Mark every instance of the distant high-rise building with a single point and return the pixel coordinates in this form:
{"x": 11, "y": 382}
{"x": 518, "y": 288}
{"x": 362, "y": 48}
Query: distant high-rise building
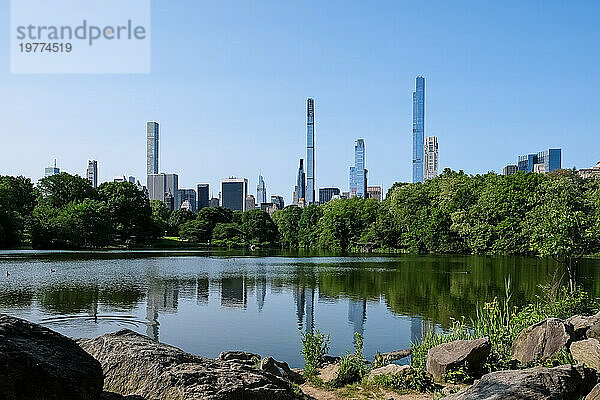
{"x": 374, "y": 192}
{"x": 278, "y": 201}
{"x": 510, "y": 169}
{"x": 310, "y": 152}
{"x": 431, "y": 157}
{"x": 551, "y": 158}
{"x": 203, "y": 196}
{"x": 49, "y": 171}
{"x": 261, "y": 190}
{"x": 590, "y": 172}
{"x": 152, "y": 133}
{"x": 418, "y": 129}
{"x": 189, "y": 195}
{"x": 300, "y": 183}
{"x": 326, "y": 194}
{"x": 131, "y": 180}
{"x": 161, "y": 185}
{"x": 358, "y": 185}
{"x": 214, "y": 202}
{"x": 92, "y": 173}
{"x": 233, "y": 193}
{"x": 250, "y": 202}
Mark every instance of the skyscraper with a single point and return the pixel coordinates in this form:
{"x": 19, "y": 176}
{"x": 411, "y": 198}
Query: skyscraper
{"x": 358, "y": 184}
{"x": 431, "y": 156}
{"x": 233, "y": 193}
{"x": 418, "y": 129}
{"x": 278, "y": 201}
{"x": 551, "y": 159}
{"x": 250, "y": 202}
{"x": 300, "y": 183}
{"x": 152, "y": 133}
{"x": 261, "y": 190}
{"x": 203, "y": 196}
{"x": 310, "y": 151}
{"x": 92, "y": 172}
{"x": 49, "y": 171}
{"x": 164, "y": 187}
{"x": 190, "y": 196}
{"x": 326, "y": 194}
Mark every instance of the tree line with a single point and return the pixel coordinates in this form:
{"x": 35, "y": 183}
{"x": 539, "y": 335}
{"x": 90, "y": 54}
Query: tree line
{"x": 556, "y": 214}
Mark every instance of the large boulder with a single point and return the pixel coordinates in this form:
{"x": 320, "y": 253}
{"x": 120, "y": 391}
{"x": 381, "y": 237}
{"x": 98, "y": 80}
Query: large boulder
{"x": 583, "y": 324}
{"x": 560, "y": 383}
{"x": 38, "y": 363}
{"x": 587, "y": 352}
{"x": 469, "y": 354}
{"x": 281, "y": 369}
{"x": 136, "y": 365}
{"x": 594, "y": 394}
{"x": 241, "y": 357}
{"x": 541, "y": 341}
{"x": 390, "y": 369}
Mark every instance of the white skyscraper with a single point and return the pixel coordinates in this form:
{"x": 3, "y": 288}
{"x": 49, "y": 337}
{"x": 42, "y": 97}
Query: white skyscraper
{"x": 430, "y": 165}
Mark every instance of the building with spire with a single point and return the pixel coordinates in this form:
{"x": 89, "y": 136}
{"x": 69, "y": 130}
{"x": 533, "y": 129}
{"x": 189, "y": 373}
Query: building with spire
{"x": 261, "y": 190}
{"x": 418, "y": 129}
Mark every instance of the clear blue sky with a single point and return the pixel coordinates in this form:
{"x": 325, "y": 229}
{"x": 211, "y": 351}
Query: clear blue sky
{"x": 230, "y": 79}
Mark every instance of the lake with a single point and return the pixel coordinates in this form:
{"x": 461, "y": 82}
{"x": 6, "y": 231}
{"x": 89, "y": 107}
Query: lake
{"x": 211, "y": 301}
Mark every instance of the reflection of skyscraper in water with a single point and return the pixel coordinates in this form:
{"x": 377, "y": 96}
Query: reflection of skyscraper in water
{"x": 234, "y": 292}
{"x": 305, "y": 305}
{"x": 419, "y": 328}
{"x": 261, "y": 291}
{"x": 202, "y": 290}
{"x": 357, "y": 315}
{"x": 163, "y": 296}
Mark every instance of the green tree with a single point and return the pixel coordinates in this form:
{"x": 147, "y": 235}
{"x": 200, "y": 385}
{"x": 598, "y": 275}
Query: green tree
{"x": 177, "y": 219}
{"x": 17, "y": 201}
{"x": 160, "y": 216}
{"x": 287, "y": 221}
{"x": 308, "y": 226}
{"x": 229, "y": 234}
{"x": 198, "y": 230}
{"x": 59, "y": 190}
{"x": 259, "y": 228}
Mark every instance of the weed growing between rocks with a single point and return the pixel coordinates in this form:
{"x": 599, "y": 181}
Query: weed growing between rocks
{"x": 314, "y": 347}
{"x": 353, "y": 367}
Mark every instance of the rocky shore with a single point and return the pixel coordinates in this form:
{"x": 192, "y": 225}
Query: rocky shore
{"x": 37, "y": 363}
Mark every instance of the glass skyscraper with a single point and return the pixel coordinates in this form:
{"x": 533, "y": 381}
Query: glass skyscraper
{"x": 261, "y": 191}
{"x": 92, "y": 173}
{"x": 233, "y": 193}
{"x": 358, "y": 186}
{"x": 300, "y": 182}
{"x": 203, "y": 201}
{"x": 152, "y": 131}
{"x": 418, "y": 129}
{"x": 310, "y": 151}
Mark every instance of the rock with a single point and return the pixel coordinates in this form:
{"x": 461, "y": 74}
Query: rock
{"x": 38, "y": 363}
{"x": 582, "y": 324}
{"x": 594, "y": 394}
{"x": 563, "y": 382}
{"x": 395, "y": 355}
{"x": 136, "y": 365}
{"x": 327, "y": 360}
{"x": 541, "y": 341}
{"x": 390, "y": 369}
{"x": 114, "y": 396}
{"x": 594, "y": 332}
{"x": 241, "y": 357}
{"x": 329, "y": 372}
{"x": 587, "y": 352}
{"x": 470, "y": 354}
{"x": 280, "y": 369}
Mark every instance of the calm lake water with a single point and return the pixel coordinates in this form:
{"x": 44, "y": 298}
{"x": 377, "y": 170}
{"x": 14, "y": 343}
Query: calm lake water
{"x": 208, "y": 302}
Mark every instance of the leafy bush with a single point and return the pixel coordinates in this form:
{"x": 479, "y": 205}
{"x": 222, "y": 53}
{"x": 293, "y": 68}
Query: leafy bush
{"x": 353, "y": 367}
{"x": 314, "y": 347}
{"x": 411, "y": 379}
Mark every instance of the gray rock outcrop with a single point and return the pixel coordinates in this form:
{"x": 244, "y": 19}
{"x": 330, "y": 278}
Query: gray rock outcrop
{"x": 560, "y": 383}
{"x": 594, "y": 394}
{"x": 281, "y": 369}
{"x": 470, "y": 354}
{"x": 38, "y": 363}
{"x": 541, "y": 341}
{"x": 136, "y": 365}
{"x": 583, "y": 324}
{"x": 242, "y": 357}
{"x": 587, "y": 352}
{"x": 390, "y": 369}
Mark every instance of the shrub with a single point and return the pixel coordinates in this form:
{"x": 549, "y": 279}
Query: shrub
{"x": 314, "y": 347}
{"x": 411, "y": 379}
{"x": 353, "y": 367}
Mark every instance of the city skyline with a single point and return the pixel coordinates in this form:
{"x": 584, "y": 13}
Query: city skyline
{"x": 513, "y": 97}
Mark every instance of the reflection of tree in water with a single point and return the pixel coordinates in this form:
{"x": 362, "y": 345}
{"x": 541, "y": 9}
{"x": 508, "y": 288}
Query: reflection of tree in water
{"x": 16, "y": 298}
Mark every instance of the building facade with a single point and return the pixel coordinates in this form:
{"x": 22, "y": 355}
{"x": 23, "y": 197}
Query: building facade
{"x": 278, "y": 201}
{"x": 92, "y": 173}
{"x": 431, "y": 158}
{"x": 152, "y": 133}
{"x": 310, "y": 152}
{"x": 50, "y": 171}
{"x": 551, "y": 159}
{"x": 203, "y": 196}
{"x": 358, "y": 185}
{"x": 590, "y": 172}
{"x": 375, "y": 192}
{"x": 164, "y": 187}
{"x": 261, "y": 190}
{"x": 250, "y": 202}
{"x": 233, "y": 193}
{"x": 326, "y": 194}
{"x": 300, "y": 183}
{"x": 418, "y": 129}
{"x": 214, "y": 202}
{"x": 189, "y": 195}
{"x": 510, "y": 169}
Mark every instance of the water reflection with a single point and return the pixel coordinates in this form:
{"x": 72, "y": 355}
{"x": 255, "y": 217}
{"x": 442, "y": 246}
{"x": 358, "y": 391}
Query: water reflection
{"x": 209, "y": 304}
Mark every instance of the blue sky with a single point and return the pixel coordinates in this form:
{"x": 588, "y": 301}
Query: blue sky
{"x": 230, "y": 79}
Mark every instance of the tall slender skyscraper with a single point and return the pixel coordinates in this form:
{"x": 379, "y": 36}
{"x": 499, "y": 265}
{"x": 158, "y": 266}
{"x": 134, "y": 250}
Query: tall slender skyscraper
{"x": 261, "y": 190}
{"x": 301, "y": 182}
{"x": 358, "y": 184}
{"x": 418, "y": 129}
{"x": 152, "y": 132}
{"x": 310, "y": 151}
{"x": 92, "y": 172}
{"x": 431, "y": 157}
